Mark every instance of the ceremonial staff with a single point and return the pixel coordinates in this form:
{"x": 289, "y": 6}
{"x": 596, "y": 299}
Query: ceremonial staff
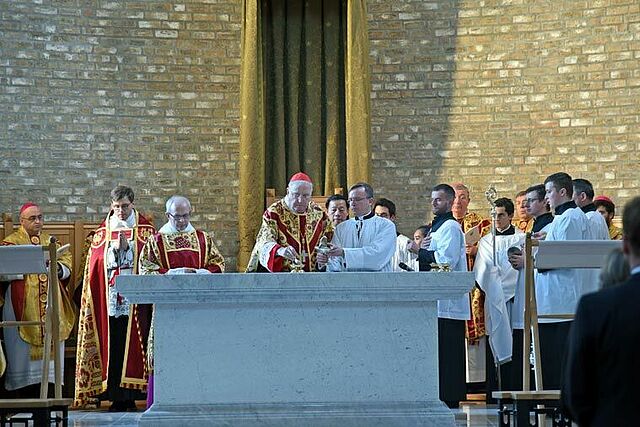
{"x": 491, "y": 194}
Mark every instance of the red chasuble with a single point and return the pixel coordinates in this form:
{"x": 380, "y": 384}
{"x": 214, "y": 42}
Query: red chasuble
{"x": 475, "y": 328}
{"x": 92, "y": 359}
{"x": 281, "y": 227}
{"x": 194, "y": 249}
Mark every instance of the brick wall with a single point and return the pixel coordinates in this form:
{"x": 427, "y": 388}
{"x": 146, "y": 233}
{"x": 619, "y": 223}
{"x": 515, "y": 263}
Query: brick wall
{"x": 93, "y": 94}
{"x": 504, "y": 93}
{"x": 144, "y": 93}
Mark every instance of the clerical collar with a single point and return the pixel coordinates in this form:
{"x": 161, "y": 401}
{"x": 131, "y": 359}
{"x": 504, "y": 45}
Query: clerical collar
{"x": 542, "y": 221}
{"x": 510, "y": 231}
{"x": 438, "y": 220}
{"x": 370, "y": 215}
{"x": 560, "y": 209}
{"x": 589, "y": 208}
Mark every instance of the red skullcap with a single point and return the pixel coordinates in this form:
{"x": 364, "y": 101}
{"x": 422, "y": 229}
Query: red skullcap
{"x": 603, "y": 199}
{"x": 27, "y": 206}
{"x": 301, "y": 176}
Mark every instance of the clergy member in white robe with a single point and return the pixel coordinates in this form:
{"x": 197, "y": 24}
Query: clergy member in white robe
{"x": 538, "y": 209}
{"x": 597, "y": 228}
{"x": 403, "y": 259}
{"x": 583, "y": 195}
{"x": 445, "y": 245}
{"x": 558, "y": 290}
{"x": 365, "y": 242}
{"x": 498, "y": 281}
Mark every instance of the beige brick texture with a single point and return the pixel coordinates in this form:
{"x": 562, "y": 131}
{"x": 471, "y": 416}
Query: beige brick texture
{"x": 146, "y": 93}
{"x": 504, "y": 93}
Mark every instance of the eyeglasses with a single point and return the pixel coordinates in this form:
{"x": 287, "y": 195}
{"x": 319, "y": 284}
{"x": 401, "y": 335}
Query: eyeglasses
{"x": 33, "y": 218}
{"x": 121, "y": 207}
{"x": 357, "y": 199}
{"x": 184, "y": 217}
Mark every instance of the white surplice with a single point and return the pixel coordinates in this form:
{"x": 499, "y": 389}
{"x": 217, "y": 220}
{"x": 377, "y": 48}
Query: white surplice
{"x": 448, "y": 245}
{"x": 403, "y": 255}
{"x": 369, "y": 245}
{"x": 499, "y": 284}
{"x": 558, "y": 290}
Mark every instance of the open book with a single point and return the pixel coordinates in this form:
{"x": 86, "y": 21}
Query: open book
{"x": 472, "y": 236}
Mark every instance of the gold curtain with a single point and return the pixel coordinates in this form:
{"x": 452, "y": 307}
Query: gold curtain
{"x": 252, "y": 135}
{"x": 303, "y": 51}
{"x": 304, "y": 101}
{"x": 358, "y": 94}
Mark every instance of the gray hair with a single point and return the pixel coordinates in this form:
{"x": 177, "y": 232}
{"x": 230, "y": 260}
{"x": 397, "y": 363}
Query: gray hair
{"x": 175, "y": 200}
{"x": 294, "y": 185}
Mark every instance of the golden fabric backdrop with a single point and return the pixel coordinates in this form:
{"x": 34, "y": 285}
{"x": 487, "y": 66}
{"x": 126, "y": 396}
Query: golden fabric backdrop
{"x": 304, "y": 101}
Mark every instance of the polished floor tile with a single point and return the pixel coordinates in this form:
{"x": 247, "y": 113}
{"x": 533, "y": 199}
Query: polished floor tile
{"x": 468, "y": 415}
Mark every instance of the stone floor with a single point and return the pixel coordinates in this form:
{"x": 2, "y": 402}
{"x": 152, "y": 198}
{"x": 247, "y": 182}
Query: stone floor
{"x": 468, "y": 415}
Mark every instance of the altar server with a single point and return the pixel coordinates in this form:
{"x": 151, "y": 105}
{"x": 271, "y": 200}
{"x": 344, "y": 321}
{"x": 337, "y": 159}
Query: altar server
{"x": 558, "y": 290}
{"x": 498, "y": 279}
{"x": 445, "y": 245}
{"x": 583, "y": 196}
{"x": 403, "y": 259}
{"x": 365, "y": 242}
{"x": 538, "y": 208}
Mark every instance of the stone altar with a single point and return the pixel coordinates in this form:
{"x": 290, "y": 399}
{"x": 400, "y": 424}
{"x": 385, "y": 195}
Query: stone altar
{"x": 289, "y": 349}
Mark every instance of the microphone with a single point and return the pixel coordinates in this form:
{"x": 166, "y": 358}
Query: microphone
{"x": 405, "y": 267}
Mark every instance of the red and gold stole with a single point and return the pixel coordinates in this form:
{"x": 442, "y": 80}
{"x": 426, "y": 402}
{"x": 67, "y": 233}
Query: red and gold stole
{"x": 92, "y": 359}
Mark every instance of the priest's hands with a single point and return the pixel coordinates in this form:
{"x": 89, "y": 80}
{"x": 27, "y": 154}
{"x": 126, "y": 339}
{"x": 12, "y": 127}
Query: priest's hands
{"x": 121, "y": 244}
{"x": 287, "y": 252}
{"x": 413, "y": 247}
{"x": 426, "y": 242}
{"x": 335, "y": 250}
{"x": 322, "y": 260}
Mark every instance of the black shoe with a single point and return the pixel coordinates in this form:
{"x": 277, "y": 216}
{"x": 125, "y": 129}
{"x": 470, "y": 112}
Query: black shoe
{"x": 118, "y": 406}
{"x": 130, "y": 405}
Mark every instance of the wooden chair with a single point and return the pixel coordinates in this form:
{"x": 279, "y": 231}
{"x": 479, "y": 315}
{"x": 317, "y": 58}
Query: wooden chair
{"x": 32, "y": 259}
{"x": 270, "y": 197}
{"x": 549, "y": 255}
